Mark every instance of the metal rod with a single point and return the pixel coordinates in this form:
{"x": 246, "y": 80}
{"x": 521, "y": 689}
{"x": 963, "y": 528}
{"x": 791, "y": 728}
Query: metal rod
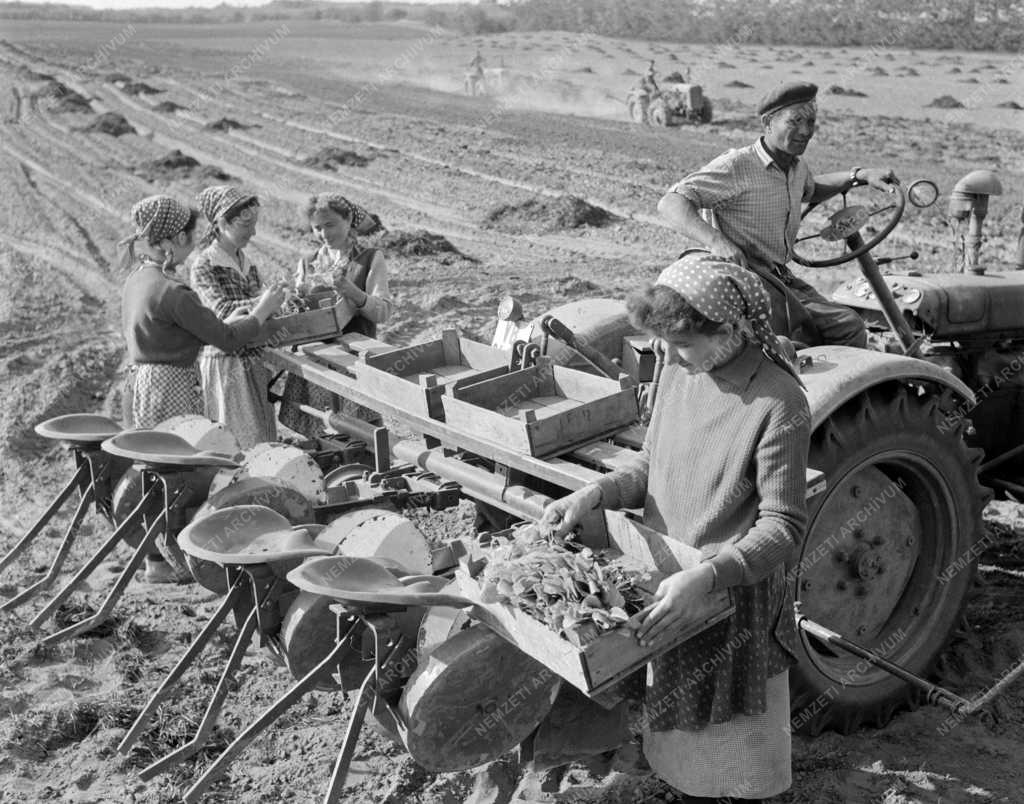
{"x": 891, "y": 311}
{"x": 58, "y": 560}
{"x": 45, "y": 517}
{"x": 272, "y": 713}
{"x": 477, "y": 482}
{"x": 1001, "y": 458}
{"x": 146, "y": 546}
{"x": 1016, "y": 488}
{"x": 96, "y": 559}
{"x": 367, "y": 690}
{"x": 183, "y": 663}
{"x": 935, "y": 694}
{"x": 213, "y": 708}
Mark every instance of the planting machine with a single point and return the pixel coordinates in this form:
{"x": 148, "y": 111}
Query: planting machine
{"x": 318, "y": 556}
{"x": 674, "y": 103}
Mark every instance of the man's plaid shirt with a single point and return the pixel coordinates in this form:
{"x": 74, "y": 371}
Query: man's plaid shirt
{"x": 224, "y": 285}
{"x": 752, "y": 201}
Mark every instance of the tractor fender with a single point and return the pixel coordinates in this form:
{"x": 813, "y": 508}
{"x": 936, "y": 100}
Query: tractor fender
{"x": 837, "y": 374}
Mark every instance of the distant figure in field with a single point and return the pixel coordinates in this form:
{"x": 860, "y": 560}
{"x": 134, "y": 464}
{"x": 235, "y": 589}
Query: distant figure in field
{"x": 647, "y": 80}
{"x": 475, "y": 76}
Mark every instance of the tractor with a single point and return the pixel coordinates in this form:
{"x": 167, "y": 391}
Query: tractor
{"x": 674, "y": 103}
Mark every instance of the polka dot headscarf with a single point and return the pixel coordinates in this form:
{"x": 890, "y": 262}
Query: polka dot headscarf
{"x": 728, "y": 293}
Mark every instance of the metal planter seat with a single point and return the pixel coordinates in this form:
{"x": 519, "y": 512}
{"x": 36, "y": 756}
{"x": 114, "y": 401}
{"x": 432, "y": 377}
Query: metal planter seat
{"x": 168, "y": 465}
{"x": 255, "y": 547}
{"x": 95, "y": 474}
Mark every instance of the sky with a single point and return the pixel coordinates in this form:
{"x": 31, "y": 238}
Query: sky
{"x": 123, "y": 4}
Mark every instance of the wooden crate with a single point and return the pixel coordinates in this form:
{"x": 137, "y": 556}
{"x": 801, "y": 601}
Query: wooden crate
{"x": 415, "y": 377}
{"x": 606, "y": 659}
{"x": 542, "y": 410}
{"x": 305, "y": 327}
{"x": 638, "y": 357}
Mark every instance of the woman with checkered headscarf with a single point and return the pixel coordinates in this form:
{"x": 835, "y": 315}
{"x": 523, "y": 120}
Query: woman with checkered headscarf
{"x": 343, "y": 272}
{"x": 723, "y": 470}
{"x": 234, "y": 383}
{"x": 165, "y": 324}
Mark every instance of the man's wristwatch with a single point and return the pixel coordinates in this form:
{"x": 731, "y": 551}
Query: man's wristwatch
{"x": 854, "y": 181}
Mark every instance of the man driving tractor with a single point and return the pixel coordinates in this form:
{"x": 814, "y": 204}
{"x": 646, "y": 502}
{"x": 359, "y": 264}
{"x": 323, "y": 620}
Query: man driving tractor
{"x": 751, "y": 198}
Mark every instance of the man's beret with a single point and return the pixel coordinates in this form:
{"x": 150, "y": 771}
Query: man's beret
{"x": 787, "y": 95}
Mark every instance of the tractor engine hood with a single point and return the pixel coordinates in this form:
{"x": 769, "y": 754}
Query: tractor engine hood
{"x": 949, "y": 305}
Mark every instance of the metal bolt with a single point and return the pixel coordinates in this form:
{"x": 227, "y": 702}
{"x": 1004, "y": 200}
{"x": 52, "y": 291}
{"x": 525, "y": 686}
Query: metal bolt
{"x": 917, "y": 610}
{"x": 805, "y": 585}
{"x": 858, "y": 533}
{"x": 911, "y": 541}
{"x": 842, "y": 556}
{"x": 861, "y": 630}
{"x": 861, "y": 591}
{"x": 856, "y": 491}
{"x": 841, "y": 586}
{"x": 878, "y": 541}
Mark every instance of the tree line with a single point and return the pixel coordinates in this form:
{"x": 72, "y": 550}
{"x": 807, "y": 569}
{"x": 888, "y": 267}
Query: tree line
{"x": 939, "y": 24}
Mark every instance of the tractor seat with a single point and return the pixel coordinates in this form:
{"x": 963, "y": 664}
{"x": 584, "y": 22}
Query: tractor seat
{"x": 79, "y": 428}
{"x": 369, "y": 582}
{"x": 247, "y": 534}
{"x": 159, "y": 449}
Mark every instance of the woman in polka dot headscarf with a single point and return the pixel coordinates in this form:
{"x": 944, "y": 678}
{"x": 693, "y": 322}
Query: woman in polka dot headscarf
{"x": 165, "y": 324}
{"x": 723, "y": 469}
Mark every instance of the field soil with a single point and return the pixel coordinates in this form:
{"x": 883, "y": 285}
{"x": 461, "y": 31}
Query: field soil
{"x": 547, "y": 192}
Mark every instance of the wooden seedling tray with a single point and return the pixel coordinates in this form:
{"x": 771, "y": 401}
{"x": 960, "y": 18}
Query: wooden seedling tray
{"x": 542, "y": 410}
{"x": 305, "y": 327}
{"x": 601, "y": 662}
{"x": 415, "y": 377}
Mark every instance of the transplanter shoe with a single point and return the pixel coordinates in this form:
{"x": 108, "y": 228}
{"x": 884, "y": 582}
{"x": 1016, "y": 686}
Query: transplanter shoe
{"x": 160, "y": 571}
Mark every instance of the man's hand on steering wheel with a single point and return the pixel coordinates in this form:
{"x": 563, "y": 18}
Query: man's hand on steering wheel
{"x": 880, "y": 178}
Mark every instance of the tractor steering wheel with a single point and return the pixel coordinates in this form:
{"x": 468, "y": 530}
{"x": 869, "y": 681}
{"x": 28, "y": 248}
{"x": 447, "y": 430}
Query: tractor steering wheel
{"x": 849, "y": 221}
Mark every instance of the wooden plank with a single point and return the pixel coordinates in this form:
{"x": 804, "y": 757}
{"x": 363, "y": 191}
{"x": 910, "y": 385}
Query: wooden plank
{"x": 565, "y": 475}
{"x": 408, "y": 360}
{"x": 451, "y": 347}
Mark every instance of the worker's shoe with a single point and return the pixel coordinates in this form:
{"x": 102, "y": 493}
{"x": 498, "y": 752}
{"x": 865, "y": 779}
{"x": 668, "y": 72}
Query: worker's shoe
{"x": 159, "y": 571}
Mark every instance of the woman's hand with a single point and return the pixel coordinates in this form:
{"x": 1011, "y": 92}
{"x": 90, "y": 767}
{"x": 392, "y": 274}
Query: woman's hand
{"x": 348, "y": 289}
{"x": 678, "y": 594}
{"x": 563, "y": 515}
{"x": 270, "y": 302}
{"x": 237, "y": 315}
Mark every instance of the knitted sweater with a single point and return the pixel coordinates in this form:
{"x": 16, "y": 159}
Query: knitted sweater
{"x": 164, "y": 321}
{"x": 723, "y": 469}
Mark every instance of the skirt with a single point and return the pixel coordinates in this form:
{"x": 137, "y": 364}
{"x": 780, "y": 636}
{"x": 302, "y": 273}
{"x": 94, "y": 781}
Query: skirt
{"x": 749, "y": 756}
{"x": 235, "y": 394}
{"x": 155, "y": 392}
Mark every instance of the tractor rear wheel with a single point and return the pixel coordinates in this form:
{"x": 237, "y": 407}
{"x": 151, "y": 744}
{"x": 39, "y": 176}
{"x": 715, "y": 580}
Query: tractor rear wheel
{"x": 886, "y": 562}
{"x": 659, "y": 115}
{"x": 636, "y": 111}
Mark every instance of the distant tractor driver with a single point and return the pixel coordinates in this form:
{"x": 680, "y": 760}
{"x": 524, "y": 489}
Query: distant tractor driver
{"x": 752, "y": 196}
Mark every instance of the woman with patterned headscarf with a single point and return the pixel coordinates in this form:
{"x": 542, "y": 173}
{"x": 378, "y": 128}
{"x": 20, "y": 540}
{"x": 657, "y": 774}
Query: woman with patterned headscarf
{"x": 234, "y": 383}
{"x": 339, "y": 271}
{"x": 722, "y": 469}
{"x": 165, "y": 323}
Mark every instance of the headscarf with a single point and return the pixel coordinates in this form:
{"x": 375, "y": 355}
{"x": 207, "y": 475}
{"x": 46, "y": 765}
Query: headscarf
{"x": 221, "y": 198}
{"x": 363, "y": 222}
{"x": 156, "y": 218}
{"x": 723, "y": 291}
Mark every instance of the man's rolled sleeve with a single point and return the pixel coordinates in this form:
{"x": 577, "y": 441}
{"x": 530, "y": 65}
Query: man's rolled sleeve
{"x": 711, "y": 187}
